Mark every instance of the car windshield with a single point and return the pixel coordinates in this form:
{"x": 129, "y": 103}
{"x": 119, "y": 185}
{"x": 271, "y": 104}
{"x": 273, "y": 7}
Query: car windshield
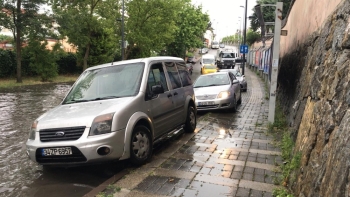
{"x": 215, "y": 43}
{"x": 212, "y": 80}
{"x": 208, "y": 61}
{"x": 107, "y": 83}
{"x": 227, "y": 55}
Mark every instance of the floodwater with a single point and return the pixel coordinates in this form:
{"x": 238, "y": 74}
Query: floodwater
{"x": 19, "y": 176}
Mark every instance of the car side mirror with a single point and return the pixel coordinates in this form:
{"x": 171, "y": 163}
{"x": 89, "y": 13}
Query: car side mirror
{"x": 235, "y": 81}
{"x": 157, "y": 89}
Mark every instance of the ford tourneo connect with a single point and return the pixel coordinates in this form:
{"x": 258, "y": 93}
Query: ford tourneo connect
{"x": 116, "y": 111}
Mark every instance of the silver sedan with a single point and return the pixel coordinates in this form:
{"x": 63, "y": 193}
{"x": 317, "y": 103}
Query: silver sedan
{"x": 217, "y": 91}
{"x": 239, "y": 76}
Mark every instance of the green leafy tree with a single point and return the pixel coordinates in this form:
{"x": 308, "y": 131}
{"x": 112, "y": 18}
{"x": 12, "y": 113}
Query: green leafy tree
{"x": 191, "y": 24}
{"x": 42, "y": 61}
{"x": 23, "y": 19}
{"x": 252, "y": 36}
{"x": 268, "y": 12}
{"x": 150, "y": 25}
{"x": 88, "y": 24}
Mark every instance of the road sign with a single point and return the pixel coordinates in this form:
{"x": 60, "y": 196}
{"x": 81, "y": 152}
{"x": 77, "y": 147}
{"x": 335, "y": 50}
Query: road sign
{"x": 243, "y": 49}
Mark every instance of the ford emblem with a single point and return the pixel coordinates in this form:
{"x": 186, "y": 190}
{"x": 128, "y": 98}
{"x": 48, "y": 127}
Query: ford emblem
{"x": 59, "y": 134}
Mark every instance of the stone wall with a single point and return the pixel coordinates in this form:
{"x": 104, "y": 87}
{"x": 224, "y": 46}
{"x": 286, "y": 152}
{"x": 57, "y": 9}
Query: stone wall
{"x": 314, "y": 90}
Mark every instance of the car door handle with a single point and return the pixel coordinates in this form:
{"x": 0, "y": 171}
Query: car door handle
{"x": 169, "y": 95}
{"x": 175, "y": 93}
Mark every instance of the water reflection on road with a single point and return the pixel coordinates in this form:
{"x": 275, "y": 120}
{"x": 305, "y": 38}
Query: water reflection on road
{"x": 19, "y": 176}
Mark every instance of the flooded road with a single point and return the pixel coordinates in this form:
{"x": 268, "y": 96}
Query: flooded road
{"x": 19, "y": 176}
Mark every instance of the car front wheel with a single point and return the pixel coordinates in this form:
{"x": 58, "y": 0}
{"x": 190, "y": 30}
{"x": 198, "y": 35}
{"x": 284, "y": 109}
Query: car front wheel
{"x": 191, "y": 120}
{"x": 141, "y": 145}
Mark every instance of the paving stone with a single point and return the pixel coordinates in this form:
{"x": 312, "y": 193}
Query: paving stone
{"x": 247, "y": 176}
{"x": 242, "y": 192}
{"x": 256, "y": 193}
{"x": 248, "y": 170}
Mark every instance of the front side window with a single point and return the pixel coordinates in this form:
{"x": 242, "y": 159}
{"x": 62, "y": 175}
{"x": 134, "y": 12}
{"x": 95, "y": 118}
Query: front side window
{"x": 173, "y": 75}
{"x": 107, "y": 83}
{"x": 156, "y": 76}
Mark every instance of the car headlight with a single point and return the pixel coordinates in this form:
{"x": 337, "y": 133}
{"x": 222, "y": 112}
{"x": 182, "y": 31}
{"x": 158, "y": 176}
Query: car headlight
{"x": 224, "y": 94}
{"x": 102, "y": 124}
{"x": 33, "y": 130}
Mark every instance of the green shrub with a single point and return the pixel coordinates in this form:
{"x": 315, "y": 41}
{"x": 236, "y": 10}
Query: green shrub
{"x": 67, "y": 64}
{"x": 42, "y": 61}
{"x": 7, "y": 63}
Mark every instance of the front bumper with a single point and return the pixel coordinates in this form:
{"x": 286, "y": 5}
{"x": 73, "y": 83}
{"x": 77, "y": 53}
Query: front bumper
{"x": 214, "y": 104}
{"x": 84, "y": 150}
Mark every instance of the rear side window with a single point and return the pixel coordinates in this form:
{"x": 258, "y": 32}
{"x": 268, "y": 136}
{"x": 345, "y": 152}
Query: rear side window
{"x": 173, "y": 75}
{"x": 184, "y": 75}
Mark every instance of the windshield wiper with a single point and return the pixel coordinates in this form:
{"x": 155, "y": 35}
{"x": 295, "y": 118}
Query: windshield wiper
{"x": 76, "y": 101}
{"x": 104, "y": 98}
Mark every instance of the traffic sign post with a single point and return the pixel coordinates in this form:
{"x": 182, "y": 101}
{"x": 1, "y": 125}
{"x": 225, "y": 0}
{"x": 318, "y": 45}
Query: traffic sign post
{"x": 243, "y": 49}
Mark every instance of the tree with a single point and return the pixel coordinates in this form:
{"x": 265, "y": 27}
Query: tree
{"x": 23, "y": 19}
{"x": 150, "y": 25}
{"x": 252, "y": 36}
{"x": 191, "y": 25}
{"x": 268, "y": 12}
{"x": 83, "y": 21}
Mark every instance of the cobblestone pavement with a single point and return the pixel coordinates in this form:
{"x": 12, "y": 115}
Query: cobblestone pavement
{"x": 230, "y": 154}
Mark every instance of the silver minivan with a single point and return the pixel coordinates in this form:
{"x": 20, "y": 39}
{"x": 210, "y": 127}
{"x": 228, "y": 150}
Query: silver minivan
{"x": 116, "y": 111}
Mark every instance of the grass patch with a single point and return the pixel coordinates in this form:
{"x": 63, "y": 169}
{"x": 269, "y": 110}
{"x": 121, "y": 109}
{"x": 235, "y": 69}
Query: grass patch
{"x": 291, "y": 161}
{"x": 12, "y": 82}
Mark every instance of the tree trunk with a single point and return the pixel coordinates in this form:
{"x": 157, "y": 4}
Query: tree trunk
{"x": 18, "y": 43}
{"x": 87, "y": 51}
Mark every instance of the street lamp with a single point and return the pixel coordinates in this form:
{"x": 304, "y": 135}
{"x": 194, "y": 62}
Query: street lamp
{"x": 240, "y": 28}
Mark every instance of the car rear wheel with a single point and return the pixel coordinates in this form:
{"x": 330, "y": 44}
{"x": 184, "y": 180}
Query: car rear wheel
{"x": 141, "y": 145}
{"x": 191, "y": 120}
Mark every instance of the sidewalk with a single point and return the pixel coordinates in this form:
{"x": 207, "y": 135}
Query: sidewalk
{"x": 230, "y": 154}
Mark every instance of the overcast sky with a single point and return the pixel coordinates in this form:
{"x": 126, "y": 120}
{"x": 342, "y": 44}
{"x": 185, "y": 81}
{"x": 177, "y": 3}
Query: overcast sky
{"x": 224, "y": 14}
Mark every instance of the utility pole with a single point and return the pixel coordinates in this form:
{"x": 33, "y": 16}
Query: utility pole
{"x": 275, "y": 59}
{"x": 244, "y": 34}
{"x": 123, "y": 42}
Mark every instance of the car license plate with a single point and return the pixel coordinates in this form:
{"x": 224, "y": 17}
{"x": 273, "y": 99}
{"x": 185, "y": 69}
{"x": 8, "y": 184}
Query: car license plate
{"x": 56, "y": 151}
{"x": 206, "y": 103}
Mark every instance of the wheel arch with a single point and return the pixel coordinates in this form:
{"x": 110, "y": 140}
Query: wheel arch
{"x": 138, "y": 118}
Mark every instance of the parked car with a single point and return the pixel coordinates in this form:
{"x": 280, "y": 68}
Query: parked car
{"x": 221, "y": 45}
{"x": 116, "y": 111}
{"x": 191, "y": 59}
{"x": 189, "y": 68}
{"x": 241, "y": 78}
{"x": 208, "y": 64}
{"x": 215, "y": 91}
{"x": 203, "y": 50}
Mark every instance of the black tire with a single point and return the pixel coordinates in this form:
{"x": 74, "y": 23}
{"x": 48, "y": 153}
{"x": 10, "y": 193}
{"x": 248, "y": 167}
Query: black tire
{"x": 234, "y": 108}
{"x": 141, "y": 145}
{"x": 240, "y": 99}
{"x": 191, "y": 120}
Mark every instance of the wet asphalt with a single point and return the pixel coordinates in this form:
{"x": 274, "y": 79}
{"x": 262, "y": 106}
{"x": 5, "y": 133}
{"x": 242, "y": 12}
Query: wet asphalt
{"x": 229, "y": 154}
